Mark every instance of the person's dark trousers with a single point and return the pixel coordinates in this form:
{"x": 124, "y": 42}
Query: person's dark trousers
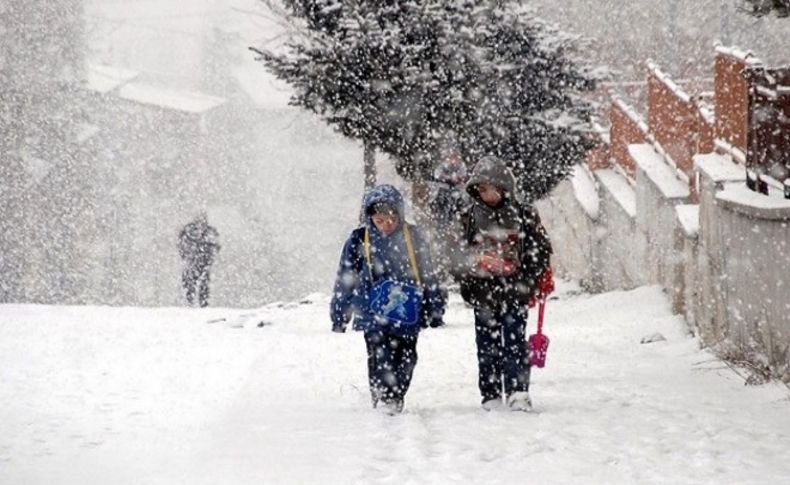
{"x": 195, "y": 280}
{"x": 202, "y": 283}
{"x": 501, "y": 351}
{"x": 189, "y": 281}
{"x": 391, "y": 361}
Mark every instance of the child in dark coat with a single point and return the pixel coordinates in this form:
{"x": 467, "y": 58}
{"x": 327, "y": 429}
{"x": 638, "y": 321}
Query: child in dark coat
{"x": 386, "y": 280}
{"x": 506, "y": 265}
{"x": 447, "y": 199}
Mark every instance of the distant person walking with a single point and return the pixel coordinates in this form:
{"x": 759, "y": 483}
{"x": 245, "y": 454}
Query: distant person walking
{"x": 198, "y": 242}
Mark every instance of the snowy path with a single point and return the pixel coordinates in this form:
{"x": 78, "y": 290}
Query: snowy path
{"x": 101, "y": 395}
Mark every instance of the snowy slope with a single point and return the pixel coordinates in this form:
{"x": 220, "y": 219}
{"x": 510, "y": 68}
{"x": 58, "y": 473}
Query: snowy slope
{"x": 160, "y": 396}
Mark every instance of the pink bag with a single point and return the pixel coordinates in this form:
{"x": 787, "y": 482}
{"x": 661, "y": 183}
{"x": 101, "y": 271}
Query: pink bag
{"x": 539, "y": 343}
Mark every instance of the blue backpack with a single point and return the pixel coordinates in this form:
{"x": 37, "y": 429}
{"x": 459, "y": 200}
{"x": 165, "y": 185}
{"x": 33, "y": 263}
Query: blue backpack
{"x": 392, "y": 302}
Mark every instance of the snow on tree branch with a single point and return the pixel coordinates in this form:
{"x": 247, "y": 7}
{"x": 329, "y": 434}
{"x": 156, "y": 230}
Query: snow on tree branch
{"x": 403, "y": 76}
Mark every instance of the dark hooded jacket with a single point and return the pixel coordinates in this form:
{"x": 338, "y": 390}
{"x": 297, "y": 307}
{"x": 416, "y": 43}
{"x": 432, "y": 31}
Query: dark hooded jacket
{"x": 390, "y": 260}
{"x": 198, "y": 243}
{"x": 516, "y": 231}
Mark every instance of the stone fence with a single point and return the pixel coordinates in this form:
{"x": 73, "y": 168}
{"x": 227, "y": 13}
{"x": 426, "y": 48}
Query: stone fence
{"x": 664, "y": 201}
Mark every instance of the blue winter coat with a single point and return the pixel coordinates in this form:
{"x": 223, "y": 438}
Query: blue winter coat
{"x": 390, "y": 259}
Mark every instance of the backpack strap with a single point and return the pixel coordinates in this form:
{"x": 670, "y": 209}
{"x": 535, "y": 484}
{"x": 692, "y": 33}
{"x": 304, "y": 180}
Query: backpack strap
{"x": 409, "y": 248}
{"x": 367, "y": 253}
{"x": 412, "y": 256}
{"x": 466, "y": 220}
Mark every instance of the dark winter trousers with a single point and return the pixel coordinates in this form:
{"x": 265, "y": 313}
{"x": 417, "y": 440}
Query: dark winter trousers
{"x": 391, "y": 361}
{"x": 501, "y": 351}
{"x": 195, "y": 279}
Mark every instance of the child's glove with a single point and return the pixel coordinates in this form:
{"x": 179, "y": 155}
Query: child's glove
{"x": 495, "y": 265}
{"x": 431, "y": 319}
{"x": 545, "y": 287}
{"x": 436, "y": 323}
{"x": 338, "y": 328}
{"x": 546, "y": 283}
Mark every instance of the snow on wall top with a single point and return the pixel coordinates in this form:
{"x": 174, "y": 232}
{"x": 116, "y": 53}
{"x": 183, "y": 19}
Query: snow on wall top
{"x": 622, "y": 192}
{"x": 631, "y": 113}
{"x": 602, "y": 132}
{"x": 585, "y": 191}
{"x": 669, "y": 83}
{"x": 739, "y": 198}
{"x": 103, "y": 79}
{"x": 707, "y": 113}
{"x": 745, "y": 56}
{"x": 679, "y": 173}
{"x": 731, "y": 150}
{"x": 185, "y": 101}
{"x": 662, "y": 175}
{"x": 688, "y": 216}
{"x": 719, "y": 168}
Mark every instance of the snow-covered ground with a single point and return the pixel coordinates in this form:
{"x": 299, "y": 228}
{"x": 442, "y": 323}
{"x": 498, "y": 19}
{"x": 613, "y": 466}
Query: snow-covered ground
{"x": 94, "y": 395}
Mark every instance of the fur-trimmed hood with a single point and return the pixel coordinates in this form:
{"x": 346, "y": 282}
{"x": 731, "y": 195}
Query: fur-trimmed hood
{"x": 492, "y": 170}
{"x": 382, "y": 194}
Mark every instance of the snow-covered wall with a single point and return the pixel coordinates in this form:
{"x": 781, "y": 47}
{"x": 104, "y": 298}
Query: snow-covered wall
{"x": 618, "y": 214}
{"x": 658, "y": 191}
{"x": 723, "y": 262}
{"x": 573, "y": 233}
{"x": 753, "y": 245}
{"x": 711, "y": 313}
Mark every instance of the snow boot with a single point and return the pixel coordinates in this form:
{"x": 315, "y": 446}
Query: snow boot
{"x": 390, "y": 408}
{"x": 494, "y": 404}
{"x": 520, "y": 401}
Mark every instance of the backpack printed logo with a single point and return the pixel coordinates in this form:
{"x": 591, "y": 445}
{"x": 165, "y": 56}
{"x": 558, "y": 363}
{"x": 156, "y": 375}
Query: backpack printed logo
{"x": 396, "y": 303}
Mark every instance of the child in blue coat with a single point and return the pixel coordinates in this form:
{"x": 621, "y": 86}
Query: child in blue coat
{"x": 386, "y": 281}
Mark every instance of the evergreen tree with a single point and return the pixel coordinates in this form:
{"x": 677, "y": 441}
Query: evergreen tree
{"x": 763, "y": 7}
{"x": 401, "y": 75}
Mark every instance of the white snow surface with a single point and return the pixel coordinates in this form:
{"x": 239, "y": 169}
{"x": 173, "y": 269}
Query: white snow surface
{"x": 668, "y": 82}
{"x": 741, "y": 195}
{"x": 585, "y": 190}
{"x": 160, "y": 396}
{"x": 621, "y": 190}
{"x": 719, "y": 168}
{"x": 103, "y": 79}
{"x": 745, "y": 56}
{"x": 688, "y": 216}
{"x": 186, "y": 101}
{"x": 657, "y": 170}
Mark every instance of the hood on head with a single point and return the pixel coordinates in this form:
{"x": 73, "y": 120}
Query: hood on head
{"x": 382, "y": 194}
{"x": 451, "y": 170}
{"x": 492, "y": 170}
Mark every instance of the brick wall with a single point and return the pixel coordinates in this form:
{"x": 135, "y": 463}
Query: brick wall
{"x": 678, "y": 124}
{"x": 731, "y": 97}
{"x": 768, "y": 141}
{"x": 625, "y": 128}
{"x": 600, "y": 155}
{"x": 722, "y": 257}
{"x": 671, "y": 117}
